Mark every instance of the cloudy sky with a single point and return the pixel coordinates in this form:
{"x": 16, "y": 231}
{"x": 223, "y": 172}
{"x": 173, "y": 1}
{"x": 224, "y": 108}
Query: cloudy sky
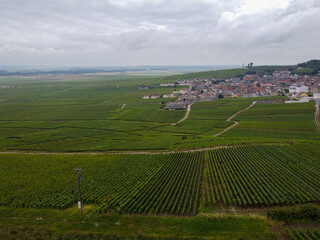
{"x": 158, "y": 32}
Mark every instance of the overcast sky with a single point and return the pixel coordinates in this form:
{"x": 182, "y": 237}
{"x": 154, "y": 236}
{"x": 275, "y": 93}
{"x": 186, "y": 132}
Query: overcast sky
{"x": 158, "y": 32}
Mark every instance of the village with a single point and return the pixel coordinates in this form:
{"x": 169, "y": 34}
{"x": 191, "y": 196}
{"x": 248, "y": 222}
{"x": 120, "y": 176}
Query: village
{"x": 297, "y": 88}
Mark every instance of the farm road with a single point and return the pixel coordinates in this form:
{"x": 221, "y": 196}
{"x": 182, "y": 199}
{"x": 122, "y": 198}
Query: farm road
{"x": 235, "y": 122}
{"x": 186, "y": 116}
{"x": 126, "y": 152}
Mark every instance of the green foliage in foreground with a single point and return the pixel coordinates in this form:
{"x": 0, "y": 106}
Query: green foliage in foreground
{"x": 303, "y": 234}
{"x": 308, "y": 212}
{"x": 261, "y": 175}
{"x": 71, "y": 222}
{"x": 166, "y": 184}
{"x": 175, "y": 189}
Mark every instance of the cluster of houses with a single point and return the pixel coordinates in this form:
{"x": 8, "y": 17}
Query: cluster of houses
{"x": 174, "y": 93}
{"x": 297, "y": 88}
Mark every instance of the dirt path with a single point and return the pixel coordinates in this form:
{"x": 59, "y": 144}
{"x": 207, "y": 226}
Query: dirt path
{"x": 235, "y": 122}
{"x": 120, "y": 152}
{"x": 109, "y": 100}
{"x": 316, "y": 114}
{"x": 126, "y": 152}
{"x": 123, "y": 106}
{"x": 186, "y": 116}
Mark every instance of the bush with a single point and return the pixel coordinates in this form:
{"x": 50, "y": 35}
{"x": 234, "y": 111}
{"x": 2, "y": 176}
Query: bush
{"x": 294, "y": 214}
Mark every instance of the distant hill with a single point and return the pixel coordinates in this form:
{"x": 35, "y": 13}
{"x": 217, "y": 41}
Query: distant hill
{"x": 311, "y": 67}
{"x": 230, "y": 73}
{"x": 307, "y": 68}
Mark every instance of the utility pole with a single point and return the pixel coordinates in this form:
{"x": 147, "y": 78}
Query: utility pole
{"x": 79, "y": 192}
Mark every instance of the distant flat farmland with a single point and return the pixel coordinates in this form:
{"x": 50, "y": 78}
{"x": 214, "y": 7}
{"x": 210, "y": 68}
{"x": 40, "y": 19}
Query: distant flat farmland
{"x": 106, "y": 113}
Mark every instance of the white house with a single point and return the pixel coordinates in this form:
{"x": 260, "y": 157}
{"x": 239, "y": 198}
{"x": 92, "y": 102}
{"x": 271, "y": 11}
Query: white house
{"x": 298, "y": 88}
{"x": 316, "y": 95}
{"x": 168, "y": 95}
{"x": 145, "y": 97}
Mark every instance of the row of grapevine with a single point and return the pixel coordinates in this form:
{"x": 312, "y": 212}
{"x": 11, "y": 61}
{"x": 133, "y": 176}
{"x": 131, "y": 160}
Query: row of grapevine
{"x": 307, "y": 234}
{"x": 173, "y": 183}
{"x": 50, "y": 181}
{"x": 128, "y": 174}
{"x": 174, "y": 190}
{"x": 128, "y": 186}
{"x": 259, "y": 176}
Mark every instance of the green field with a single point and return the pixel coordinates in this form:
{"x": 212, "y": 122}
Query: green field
{"x": 84, "y": 114}
{"x": 70, "y": 225}
{"x": 146, "y": 178}
{"x": 172, "y": 183}
{"x": 202, "y": 183}
{"x": 105, "y": 113}
{"x": 282, "y": 121}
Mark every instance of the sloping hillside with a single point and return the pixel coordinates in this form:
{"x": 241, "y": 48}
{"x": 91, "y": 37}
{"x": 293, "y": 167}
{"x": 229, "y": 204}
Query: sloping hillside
{"x": 229, "y": 73}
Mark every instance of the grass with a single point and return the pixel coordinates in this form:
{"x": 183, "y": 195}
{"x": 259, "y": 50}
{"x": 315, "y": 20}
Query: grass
{"x": 71, "y": 221}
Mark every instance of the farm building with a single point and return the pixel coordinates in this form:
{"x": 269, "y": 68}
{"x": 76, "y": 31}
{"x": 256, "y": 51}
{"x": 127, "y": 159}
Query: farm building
{"x": 144, "y": 87}
{"x": 154, "y": 96}
{"x": 145, "y": 97}
{"x": 177, "y": 105}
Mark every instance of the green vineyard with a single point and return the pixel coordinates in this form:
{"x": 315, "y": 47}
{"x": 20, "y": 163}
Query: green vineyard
{"x": 261, "y": 176}
{"x": 307, "y": 234}
{"x": 168, "y": 183}
{"x": 175, "y": 189}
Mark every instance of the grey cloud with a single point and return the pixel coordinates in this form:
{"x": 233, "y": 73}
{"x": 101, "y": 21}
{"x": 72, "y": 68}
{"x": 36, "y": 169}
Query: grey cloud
{"x": 132, "y": 32}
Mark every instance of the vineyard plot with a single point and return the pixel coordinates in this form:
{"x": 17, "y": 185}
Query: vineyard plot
{"x": 260, "y": 176}
{"x": 169, "y": 183}
{"x": 49, "y": 181}
{"x": 138, "y": 183}
{"x": 174, "y": 190}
